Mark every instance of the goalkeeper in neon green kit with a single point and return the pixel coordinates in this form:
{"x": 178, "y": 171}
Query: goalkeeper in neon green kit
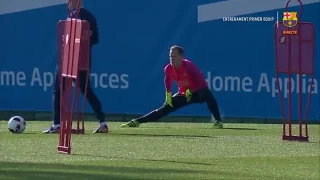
{"x": 192, "y": 86}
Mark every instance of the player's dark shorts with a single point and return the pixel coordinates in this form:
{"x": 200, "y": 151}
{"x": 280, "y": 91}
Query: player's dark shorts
{"x": 200, "y": 96}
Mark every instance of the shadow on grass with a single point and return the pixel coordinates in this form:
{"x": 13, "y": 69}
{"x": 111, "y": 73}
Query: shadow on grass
{"x": 245, "y": 129}
{"x": 150, "y": 160}
{"x": 166, "y": 135}
{"x": 30, "y": 133}
{"x": 209, "y": 127}
{"x": 14, "y": 170}
{"x": 180, "y": 162}
{"x": 24, "y": 133}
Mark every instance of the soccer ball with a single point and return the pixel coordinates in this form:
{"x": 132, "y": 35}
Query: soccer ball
{"x": 17, "y": 124}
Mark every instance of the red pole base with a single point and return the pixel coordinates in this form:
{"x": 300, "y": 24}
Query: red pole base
{"x": 295, "y": 138}
{"x": 64, "y": 150}
{"x": 77, "y": 131}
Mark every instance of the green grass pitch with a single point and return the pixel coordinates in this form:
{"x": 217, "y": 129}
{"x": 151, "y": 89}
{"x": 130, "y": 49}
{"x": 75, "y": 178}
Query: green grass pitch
{"x": 161, "y": 151}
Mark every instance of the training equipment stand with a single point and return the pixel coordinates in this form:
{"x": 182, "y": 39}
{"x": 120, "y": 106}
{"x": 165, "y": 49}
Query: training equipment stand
{"x": 74, "y": 51}
{"x": 294, "y": 46}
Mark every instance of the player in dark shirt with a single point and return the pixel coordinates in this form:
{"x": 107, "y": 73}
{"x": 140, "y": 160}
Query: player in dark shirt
{"x": 192, "y": 88}
{"x": 93, "y": 100}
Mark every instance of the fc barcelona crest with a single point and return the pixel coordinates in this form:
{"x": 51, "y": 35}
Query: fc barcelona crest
{"x": 290, "y": 19}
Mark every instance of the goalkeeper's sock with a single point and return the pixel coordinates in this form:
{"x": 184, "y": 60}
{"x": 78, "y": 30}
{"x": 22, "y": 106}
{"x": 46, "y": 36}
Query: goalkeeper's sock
{"x": 55, "y": 126}
{"x": 104, "y": 123}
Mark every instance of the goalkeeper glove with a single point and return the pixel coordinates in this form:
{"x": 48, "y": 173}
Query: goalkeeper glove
{"x": 188, "y": 95}
{"x": 169, "y": 99}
